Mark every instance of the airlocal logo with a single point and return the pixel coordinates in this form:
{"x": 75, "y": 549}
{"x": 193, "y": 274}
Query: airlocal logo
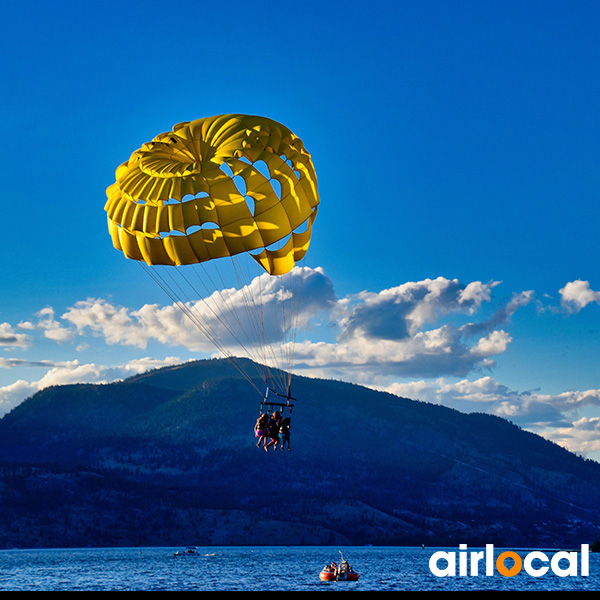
{"x": 509, "y": 563}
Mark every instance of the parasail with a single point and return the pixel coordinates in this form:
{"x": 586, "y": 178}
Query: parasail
{"x": 233, "y": 188}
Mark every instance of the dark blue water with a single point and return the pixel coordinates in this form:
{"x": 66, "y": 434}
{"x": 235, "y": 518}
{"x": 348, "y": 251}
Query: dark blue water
{"x": 254, "y": 569}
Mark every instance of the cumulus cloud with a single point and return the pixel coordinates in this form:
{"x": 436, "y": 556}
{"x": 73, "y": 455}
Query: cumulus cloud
{"x": 422, "y": 332}
{"x": 230, "y": 318}
{"x": 53, "y": 330}
{"x": 577, "y": 295}
{"x": 581, "y": 437}
{"x": 486, "y": 394}
{"x": 13, "y": 394}
{"x": 401, "y": 311}
{"x": 426, "y": 328}
{"x": 10, "y": 338}
{"x": 68, "y": 372}
{"x": 501, "y": 316}
{"x": 558, "y": 417}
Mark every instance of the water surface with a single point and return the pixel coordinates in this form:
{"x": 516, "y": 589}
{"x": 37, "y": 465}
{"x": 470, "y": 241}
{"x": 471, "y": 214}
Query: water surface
{"x": 254, "y": 569}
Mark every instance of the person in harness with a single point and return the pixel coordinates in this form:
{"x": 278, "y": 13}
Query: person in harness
{"x": 273, "y": 428}
{"x": 260, "y": 429}
{"x": 284, "y": 433}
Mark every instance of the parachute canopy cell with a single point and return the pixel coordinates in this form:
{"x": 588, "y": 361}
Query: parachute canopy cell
{"x": 216, "y": 187}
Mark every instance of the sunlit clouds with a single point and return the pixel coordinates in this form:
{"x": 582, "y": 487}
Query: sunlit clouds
{"x": 435, "y": 340}
{"x": 556, "y": 417}
{"x": 69, "y": 372}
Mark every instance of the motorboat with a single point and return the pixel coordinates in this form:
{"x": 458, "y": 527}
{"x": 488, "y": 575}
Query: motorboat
{"x": 341, "y": 572}
{"x": 190, "y": 550}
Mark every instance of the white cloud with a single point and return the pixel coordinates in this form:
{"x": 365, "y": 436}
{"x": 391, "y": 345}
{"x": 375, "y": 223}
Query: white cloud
{"x": 9, "y": 338}
{"x": 493, "y": 344}
{"x": 404, "y": 310}
{"x": 13, "y": 394}
{"x": 418, "y": 329}
{"x": 10, "y": 363}
{"x": 578, "y": 294}
{"x": 114, "y": 323}
{"x": 53, "y": 330}
{"x": 582, "y": 437}
{"x": 556, "y": 417}
{"x": 420, "y": 332}
{"x": 70, "y": 372}
{"x": 230, "y": 318}
{"x": 488, "y": 395}
{"x": 424, "y": 328}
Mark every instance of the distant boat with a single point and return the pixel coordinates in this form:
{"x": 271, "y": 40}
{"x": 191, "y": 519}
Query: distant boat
{"x": 190, "y": 550}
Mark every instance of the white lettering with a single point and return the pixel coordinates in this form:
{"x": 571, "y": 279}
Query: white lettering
{"x": 572, "y": 568}
{"x": 475, "y": 558}
{"x": 489, "y": 560}
{"x": 529, "y": 567}
{"x": 449, "y": 557}
{"x": 462, "y": 561}
{"x": 585, "y": 560}
{"x": 535, "y": 563}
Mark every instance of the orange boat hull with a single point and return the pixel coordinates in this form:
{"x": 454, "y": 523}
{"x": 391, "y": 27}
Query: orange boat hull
{"x": 325, "y": 576}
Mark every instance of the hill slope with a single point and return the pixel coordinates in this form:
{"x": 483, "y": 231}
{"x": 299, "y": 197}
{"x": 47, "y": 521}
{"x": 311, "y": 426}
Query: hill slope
{"x": 169, "y": 457}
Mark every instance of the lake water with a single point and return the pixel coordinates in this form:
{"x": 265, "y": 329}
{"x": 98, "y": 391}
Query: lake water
{"x": 256, "y": 569}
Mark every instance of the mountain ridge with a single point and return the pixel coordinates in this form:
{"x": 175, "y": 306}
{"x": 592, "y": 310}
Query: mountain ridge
{"x": 169, "y": 456}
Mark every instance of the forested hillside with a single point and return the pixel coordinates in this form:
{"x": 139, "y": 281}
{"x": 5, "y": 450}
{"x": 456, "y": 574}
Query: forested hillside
{"x": 169, "y": 457}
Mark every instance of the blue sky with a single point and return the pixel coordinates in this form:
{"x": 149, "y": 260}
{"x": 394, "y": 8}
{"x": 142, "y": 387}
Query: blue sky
{"x": 456, "y": 147}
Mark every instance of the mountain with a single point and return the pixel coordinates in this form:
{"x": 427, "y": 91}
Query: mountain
{"x": 169, "y": 458}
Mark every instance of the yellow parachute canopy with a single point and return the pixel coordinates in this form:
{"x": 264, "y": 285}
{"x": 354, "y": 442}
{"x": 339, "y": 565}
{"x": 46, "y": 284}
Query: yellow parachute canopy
{"x": 198, "y": 193}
